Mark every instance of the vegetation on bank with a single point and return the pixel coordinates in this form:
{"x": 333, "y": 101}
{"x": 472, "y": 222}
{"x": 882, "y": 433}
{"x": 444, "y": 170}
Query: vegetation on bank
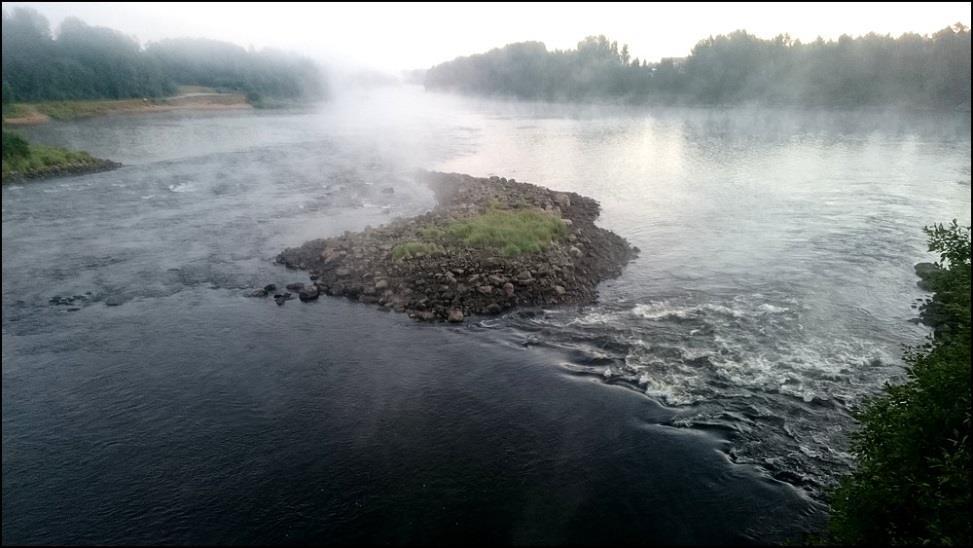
{"x": 911, "y": 484}
{"x": 27, "y": 160}
{"x": 84, "y": 62}
{"x": 71, "y": 110}
{"x": 910, "y": 71}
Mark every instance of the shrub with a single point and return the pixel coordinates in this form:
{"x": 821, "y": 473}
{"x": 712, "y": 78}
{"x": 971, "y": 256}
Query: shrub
{"x": 911, "y": 484}
{"x": 14, "y": 146}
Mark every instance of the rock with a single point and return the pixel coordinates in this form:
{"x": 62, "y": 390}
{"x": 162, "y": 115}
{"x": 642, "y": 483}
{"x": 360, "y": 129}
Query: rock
{"x": 388, "y": 190}
{"x": 114, "y": 300}
{"x": 455, "y": 315}
{"x": 466, "y": 279}
{"x": 270, "y": 287}
{"x": 308, "y": 293}
{"x": 926, "y": 272}
{"x": 296, "y": 286}
{"x": 280, "y": 299}
{"x": 257, "y": 293}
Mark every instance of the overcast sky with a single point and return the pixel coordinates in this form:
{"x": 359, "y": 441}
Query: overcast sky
{"x": 393, "y": 37}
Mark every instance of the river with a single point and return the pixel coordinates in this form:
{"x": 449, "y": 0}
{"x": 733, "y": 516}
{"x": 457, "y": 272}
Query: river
{"x": 705, "y": 398}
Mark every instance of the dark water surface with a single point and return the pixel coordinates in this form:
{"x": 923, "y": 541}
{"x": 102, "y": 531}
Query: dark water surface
{"x": 704, "y": 399}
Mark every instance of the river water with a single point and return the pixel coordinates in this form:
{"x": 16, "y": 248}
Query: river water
{"x": 704, "y": 399}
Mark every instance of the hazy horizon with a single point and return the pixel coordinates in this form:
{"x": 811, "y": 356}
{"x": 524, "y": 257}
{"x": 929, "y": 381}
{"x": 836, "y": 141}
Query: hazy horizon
{"x": 425, "y": 34}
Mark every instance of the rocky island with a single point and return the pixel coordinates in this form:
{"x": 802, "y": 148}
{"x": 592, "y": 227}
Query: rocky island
{"x": 488, "y": 246}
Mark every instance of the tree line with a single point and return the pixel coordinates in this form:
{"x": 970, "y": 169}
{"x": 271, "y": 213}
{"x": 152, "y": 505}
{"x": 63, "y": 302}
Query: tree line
{"x": 80, "y": 61}
{"x": 912, "y": 70}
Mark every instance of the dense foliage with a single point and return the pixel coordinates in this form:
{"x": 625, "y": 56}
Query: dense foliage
{"x": 21, "y": 158}
{"x": 912, "y": 480}
{"x": 911, "y": 70}
{"x": 85, "y": 62}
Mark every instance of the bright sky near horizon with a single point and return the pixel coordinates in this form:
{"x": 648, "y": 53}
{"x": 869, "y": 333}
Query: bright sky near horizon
{"x": 394, "y": 37}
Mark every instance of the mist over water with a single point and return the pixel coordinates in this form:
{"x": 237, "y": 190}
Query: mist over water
{"x": 704, "y": 398}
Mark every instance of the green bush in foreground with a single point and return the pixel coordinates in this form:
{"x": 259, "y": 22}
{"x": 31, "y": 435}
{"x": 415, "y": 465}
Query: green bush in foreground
{"x": 911, "y": 484}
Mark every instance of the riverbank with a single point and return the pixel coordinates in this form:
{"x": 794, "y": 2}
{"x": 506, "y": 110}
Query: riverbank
{"x": 23, "y": 160}
{"x": 488, "y": 246}
{"x": 22, "y": 114}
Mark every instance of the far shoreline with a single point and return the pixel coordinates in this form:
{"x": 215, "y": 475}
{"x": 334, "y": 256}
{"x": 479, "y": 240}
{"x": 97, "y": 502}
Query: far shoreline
{"x": 32, "y": 114}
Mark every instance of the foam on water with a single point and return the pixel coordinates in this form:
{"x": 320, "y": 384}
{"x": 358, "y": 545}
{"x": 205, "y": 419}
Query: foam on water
{"x": 744, "y": 363}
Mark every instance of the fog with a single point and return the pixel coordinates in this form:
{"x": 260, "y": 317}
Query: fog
{"x": 396, "y": 37}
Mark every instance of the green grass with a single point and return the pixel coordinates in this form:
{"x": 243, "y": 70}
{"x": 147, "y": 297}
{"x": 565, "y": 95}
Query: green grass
{"x": 509, "y": 232}
{"x": 413, "y": 248}
{"x": 16, "y": 110}
{"x": 20, "y": 157}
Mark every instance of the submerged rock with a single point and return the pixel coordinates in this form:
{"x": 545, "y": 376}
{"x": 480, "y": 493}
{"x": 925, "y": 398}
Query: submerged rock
{"x": 455, "y": 315}
{"x": 926, "y": 272}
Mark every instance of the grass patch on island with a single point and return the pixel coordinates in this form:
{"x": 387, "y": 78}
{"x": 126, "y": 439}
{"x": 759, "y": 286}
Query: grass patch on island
{"x": 507, "y": 232}
{"x": 416, "y": 249}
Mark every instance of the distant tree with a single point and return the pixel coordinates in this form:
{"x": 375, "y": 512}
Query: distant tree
{"x": 872, "y": 70}
{"x": 85, "y": 62}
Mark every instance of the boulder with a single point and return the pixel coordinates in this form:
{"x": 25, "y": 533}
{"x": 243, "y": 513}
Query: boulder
{"x": 308, "y": 293}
